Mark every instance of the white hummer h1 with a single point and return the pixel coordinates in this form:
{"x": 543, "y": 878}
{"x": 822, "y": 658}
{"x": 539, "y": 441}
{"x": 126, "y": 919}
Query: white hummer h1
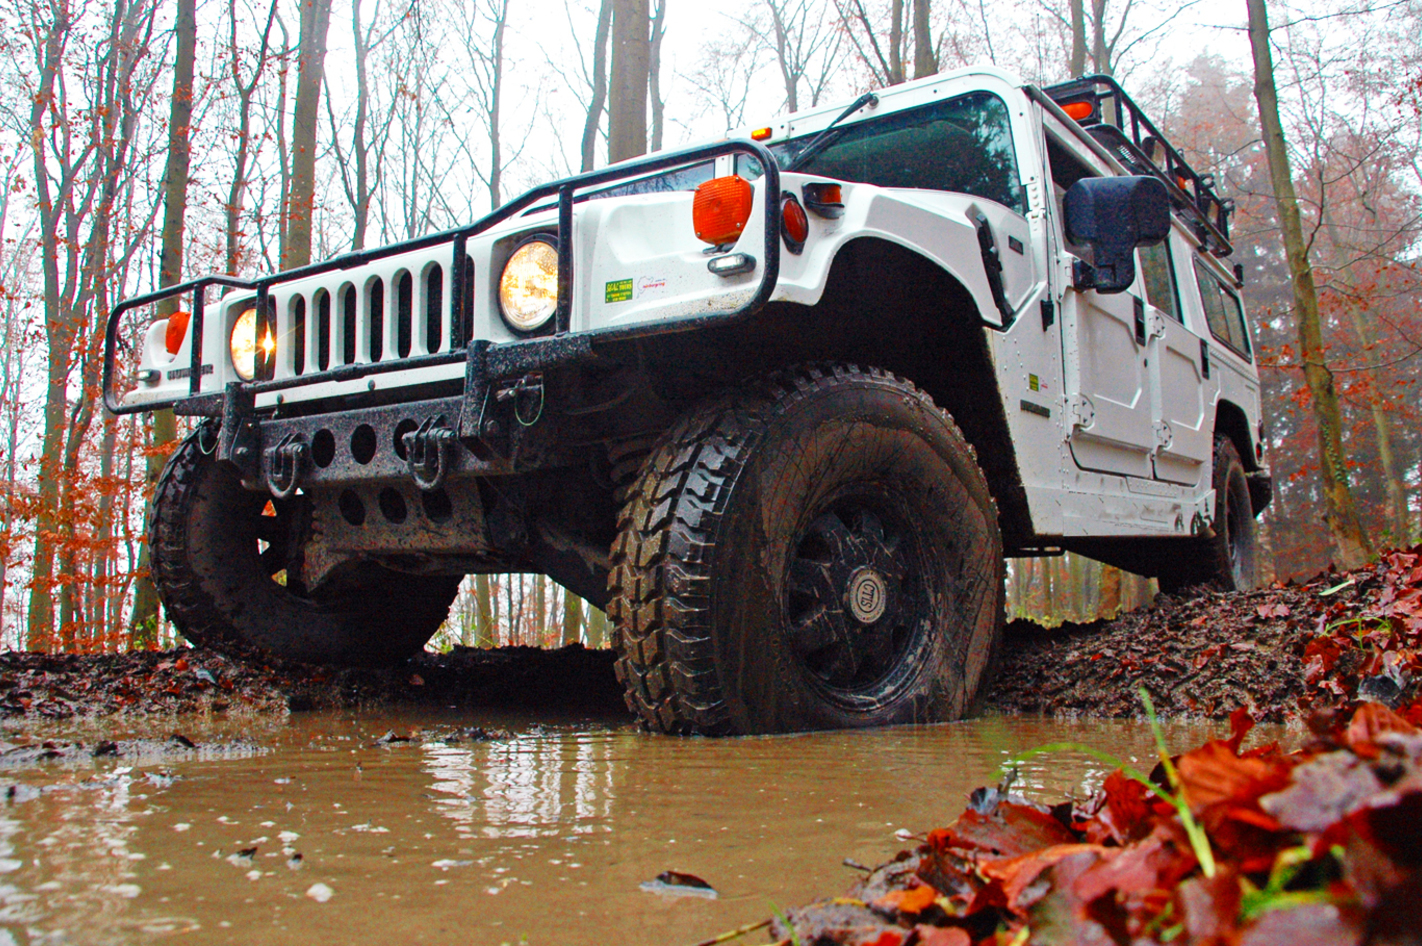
{"x": 781, "y": 404}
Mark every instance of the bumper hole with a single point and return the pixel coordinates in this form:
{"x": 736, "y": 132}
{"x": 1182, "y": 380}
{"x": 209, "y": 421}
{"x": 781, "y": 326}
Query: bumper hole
{"x": 392, "y": 505}
{"x": 352, "y": 509}
{"x": 401, "y": 429}
{"x": 436, "y": 505}
{"x": 323, "y": 448}
{"x": 363, "y": 444}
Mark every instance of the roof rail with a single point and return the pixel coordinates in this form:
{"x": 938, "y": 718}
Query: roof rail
{"x": 1110, "y": 116}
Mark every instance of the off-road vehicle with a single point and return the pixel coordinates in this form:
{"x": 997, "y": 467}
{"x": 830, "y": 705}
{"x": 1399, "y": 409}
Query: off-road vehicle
{"x": 780, "y": 404}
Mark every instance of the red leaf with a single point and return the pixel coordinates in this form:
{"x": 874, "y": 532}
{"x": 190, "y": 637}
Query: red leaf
{"x": 1372, "y": 720}
{"x": 915, "y": 899}
{"x": 1013, "y": 829}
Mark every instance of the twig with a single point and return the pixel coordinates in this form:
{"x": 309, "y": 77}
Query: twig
{"x": 734, "y": 934}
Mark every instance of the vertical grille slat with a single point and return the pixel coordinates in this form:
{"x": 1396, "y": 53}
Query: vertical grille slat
{"x": 404, "y": 313}
{"x": 298, "y": 335}
{"x": 375, "y": 316}
{"x": 323, "y": 330}
{"x": 434, "y": 308}
{"x": 349, "y": 324}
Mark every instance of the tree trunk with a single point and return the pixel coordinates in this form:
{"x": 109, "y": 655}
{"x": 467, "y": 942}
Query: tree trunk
{"x": 236, "y": 193}
{"x": 143, "y": 628}
{"x": 1100, "y": 58}
{"x": 896, "y": 42}
{"x": 631, "y": 52}
{"x": 572, "y": 618}
{"x": 1350, "y": 541}
{"x": 301, "y": 194}
{"x": 597, "y": 627}
{"x": 925, "y": 57}
{"x": 654, "y": 70}
{"x": 1077, "y": 65}
{"x": 484, "y": 613}
{"x": 599, "y": 86}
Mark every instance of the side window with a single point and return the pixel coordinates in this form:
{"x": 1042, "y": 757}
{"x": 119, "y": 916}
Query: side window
{"x": 1158, "y": 274}
{"x": 1222, "y": 311}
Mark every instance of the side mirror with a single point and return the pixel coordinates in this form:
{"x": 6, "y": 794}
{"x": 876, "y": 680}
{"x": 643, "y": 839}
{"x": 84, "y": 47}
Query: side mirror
{"x": 1115, "y": 215}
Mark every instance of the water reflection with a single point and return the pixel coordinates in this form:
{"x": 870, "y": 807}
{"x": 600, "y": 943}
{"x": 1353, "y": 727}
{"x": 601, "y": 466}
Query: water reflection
{"x": 544, "y": 836}
{"x": 528, "y": 787}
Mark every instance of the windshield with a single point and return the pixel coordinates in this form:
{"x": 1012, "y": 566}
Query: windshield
{"x": 963, "y": 145}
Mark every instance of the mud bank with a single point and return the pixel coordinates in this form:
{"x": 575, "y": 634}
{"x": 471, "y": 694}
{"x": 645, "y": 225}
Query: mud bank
{"x": 1282, "y": 653}
{"x": 66, "y": 686}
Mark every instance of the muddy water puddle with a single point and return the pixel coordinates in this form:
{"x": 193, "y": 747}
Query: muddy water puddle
{"x": 478, "y": 828}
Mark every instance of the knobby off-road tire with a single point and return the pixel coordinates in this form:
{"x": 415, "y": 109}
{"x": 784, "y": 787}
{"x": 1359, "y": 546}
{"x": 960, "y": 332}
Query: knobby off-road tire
{"x": 1229, "y": 560}
{"x": 818, "y": 550}
{"x": 220, "y": 587}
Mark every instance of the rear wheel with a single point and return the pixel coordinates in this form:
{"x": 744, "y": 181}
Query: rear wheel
{"x": 818, "y": 551}
{"x": 1228, "y": 560}
{"x": 226, "y": 560}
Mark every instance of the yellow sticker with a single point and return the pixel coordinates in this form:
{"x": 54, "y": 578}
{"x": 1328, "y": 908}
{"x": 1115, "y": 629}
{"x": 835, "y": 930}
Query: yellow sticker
{"x": 619, "y": 290}
{"x": 1033, "y": 383}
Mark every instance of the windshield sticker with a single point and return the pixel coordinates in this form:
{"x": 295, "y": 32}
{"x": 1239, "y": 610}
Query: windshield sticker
{"x": 619, "y": 290}
{"x": 650, "y": 283}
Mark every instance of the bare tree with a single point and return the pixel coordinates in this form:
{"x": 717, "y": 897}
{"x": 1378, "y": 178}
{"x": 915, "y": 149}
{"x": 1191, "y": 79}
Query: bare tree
{"x": 805, "y": 37}
{"x": 301, "y": 195}
{"x": 144, "y": 626}
{"x": 1350, "y": 541}
{"x": 245, "y": 89}
{"x": 631, "y": 54}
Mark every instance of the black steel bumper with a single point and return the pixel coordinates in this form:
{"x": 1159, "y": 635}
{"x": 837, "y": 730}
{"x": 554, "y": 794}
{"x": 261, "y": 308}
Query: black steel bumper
{"x": 486, "y": 363}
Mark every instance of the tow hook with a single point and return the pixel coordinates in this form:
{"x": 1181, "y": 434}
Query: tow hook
{"x": 286, "y": 464}
{"x": 427, "y": 452}
{"x": 527, "y": 396}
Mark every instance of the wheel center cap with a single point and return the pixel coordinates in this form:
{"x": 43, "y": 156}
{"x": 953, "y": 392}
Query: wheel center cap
{"x": 868, "y": 595}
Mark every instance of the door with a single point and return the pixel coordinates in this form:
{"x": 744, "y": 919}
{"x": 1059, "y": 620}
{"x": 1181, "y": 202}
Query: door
{"x": 1181, "y": 391}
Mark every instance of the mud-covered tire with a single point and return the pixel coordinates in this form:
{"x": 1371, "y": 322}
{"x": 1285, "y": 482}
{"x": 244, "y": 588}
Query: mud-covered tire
{"x": 1229, "y": 560}
{"x": 218, "y": 585}
{"x": 755, "y": 517}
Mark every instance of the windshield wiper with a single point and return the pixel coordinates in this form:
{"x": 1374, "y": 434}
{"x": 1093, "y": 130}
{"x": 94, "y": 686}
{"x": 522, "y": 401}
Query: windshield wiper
{"x": 825, "y": 137}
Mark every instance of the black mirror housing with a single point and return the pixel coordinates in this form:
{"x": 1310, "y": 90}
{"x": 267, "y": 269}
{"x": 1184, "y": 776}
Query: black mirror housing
{"x": 1115, "y": 215}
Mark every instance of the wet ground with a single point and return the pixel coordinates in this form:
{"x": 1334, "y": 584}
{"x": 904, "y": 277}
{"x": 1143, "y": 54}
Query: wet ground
{"x": 476, "y": 827}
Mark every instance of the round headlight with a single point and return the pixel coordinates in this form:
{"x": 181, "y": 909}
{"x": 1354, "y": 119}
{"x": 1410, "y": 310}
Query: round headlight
{"x": 528, "y": 288}
{"x": 243, "y": 345}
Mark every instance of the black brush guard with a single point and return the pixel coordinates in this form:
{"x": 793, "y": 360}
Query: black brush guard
{"x": 485, "y": 360}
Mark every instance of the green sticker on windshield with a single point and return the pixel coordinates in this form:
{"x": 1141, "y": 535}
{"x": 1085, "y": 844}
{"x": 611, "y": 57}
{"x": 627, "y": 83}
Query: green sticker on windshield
{"x": 619, "y": 290}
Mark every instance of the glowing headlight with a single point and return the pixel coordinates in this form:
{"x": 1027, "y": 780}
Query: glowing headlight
{"x": 528, "y": 288}
{"x": 243, "y": 345}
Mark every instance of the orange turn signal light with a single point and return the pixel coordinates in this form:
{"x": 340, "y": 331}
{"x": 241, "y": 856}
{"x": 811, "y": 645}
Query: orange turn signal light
{"x": 177, "y": 328}
{"x": 794, "y": 225}
{"x": 1078, "y": 110}
{"x": 760, "y": 134}
{"x": 721, "y": 208}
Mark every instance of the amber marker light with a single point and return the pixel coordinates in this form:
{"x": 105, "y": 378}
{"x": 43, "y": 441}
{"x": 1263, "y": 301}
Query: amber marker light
{"x": 721, "y": 208}
{"x": 1079, "y": 110}
{"x": 177, "y": 329}
{"x": 794, "y": 225}
{"x": 760, "y": 134}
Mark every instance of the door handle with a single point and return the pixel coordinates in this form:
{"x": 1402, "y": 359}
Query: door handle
{"x": 1140, "y": 319}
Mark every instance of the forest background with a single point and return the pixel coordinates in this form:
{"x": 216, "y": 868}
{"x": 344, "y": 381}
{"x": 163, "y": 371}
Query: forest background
{"x": 147, "y": 141}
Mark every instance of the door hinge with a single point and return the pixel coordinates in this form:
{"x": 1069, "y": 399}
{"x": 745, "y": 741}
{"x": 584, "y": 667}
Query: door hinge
{"x": 1164, "y": 436}
{"x": 1083, "y": 412}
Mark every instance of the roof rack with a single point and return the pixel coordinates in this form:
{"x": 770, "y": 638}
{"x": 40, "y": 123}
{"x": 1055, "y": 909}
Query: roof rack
{"x": 1102, "y": 107}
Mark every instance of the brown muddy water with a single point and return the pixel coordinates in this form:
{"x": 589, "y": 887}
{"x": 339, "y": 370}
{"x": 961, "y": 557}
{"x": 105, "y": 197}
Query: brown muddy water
{"x": 316, "y": 830}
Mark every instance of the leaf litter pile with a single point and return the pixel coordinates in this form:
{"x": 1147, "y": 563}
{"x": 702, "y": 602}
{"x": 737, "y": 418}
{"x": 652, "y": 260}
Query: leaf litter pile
{"x": 86, "y": 686}
{"x": 1281, "y": 652}
{"x": 1217, "y": 846}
